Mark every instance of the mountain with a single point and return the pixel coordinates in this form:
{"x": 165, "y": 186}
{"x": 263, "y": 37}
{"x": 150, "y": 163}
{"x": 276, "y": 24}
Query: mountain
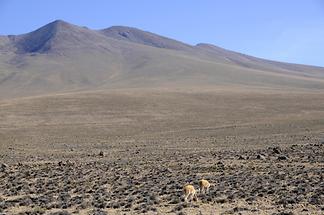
{"x": 143, "y": 37}
{"x": 62, "y": 57}
{"x": 57, "y": 37}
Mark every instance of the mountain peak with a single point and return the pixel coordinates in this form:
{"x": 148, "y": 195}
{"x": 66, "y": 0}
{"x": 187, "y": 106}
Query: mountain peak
{"x": 40, "y": 39}
{"x": 61, "y": 24}
{"x": 59, "y": 21}
{"x": 57, "y": 33}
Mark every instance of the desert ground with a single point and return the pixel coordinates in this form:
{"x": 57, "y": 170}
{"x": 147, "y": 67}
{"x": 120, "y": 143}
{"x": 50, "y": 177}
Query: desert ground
{"x": 131, "y": 151}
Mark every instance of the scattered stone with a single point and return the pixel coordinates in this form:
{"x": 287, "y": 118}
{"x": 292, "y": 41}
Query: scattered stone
{"x": 282, "y": 157}
{"x": 101, "y": 154}
{"x": 276, "y": 150}
{"x": 241, "y": 157}
{"x": 221, "y": 200}
{"x": 3, "y": 167}
{"x": 260, "y": 157}
{"x": 220, "y": 163}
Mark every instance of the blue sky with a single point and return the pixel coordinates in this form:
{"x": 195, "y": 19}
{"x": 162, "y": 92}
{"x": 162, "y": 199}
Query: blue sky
{"x": 284, "y": 30}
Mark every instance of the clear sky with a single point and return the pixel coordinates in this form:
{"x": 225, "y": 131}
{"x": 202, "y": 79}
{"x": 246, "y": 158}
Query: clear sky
{"x": 284, "y": 30}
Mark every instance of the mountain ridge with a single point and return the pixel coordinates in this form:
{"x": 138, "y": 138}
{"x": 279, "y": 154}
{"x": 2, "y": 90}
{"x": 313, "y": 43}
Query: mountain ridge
{"x": 132, "y": 34}
{"x": 61, "y": 57}
{"x": 136, "y": 35}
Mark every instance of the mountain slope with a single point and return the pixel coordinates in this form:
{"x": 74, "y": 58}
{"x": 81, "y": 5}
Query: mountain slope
{"x": 61, "y": 57}
{"x": 210, "y": 51}
{"x": 258, "y": 63}
{"x": 143, "y": 37}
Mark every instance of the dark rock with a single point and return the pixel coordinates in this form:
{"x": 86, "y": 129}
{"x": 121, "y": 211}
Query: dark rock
{"x": 220, "y": 163}
{"x": 260, "y": 157}
{"x": 221, "y": 200}
{"x": 276, "y": 150}
{"x": 3, "y": 167}
{"x": 282, "y": 157}
{"x": 241, "y": 157}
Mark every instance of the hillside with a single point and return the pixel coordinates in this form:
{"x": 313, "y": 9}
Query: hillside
{"x": 61, "y": 57}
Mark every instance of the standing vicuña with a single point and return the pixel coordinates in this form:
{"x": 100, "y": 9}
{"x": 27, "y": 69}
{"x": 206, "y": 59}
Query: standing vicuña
{"x": 204, "y": 186}
{"x": 190, "y": 193}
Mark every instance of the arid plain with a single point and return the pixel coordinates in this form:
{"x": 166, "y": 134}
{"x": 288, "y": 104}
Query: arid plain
{"x": 132, "y": 151}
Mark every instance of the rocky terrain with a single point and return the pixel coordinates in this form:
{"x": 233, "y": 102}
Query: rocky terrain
{"x": 272, "y": 180}
{"x": 132, "y": 151}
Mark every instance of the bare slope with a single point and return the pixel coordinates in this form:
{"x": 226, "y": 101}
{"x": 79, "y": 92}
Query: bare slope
{"x": 62, "y": 57}
{"x": 259, "y": 63}
{"x": 144, "y": 37}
